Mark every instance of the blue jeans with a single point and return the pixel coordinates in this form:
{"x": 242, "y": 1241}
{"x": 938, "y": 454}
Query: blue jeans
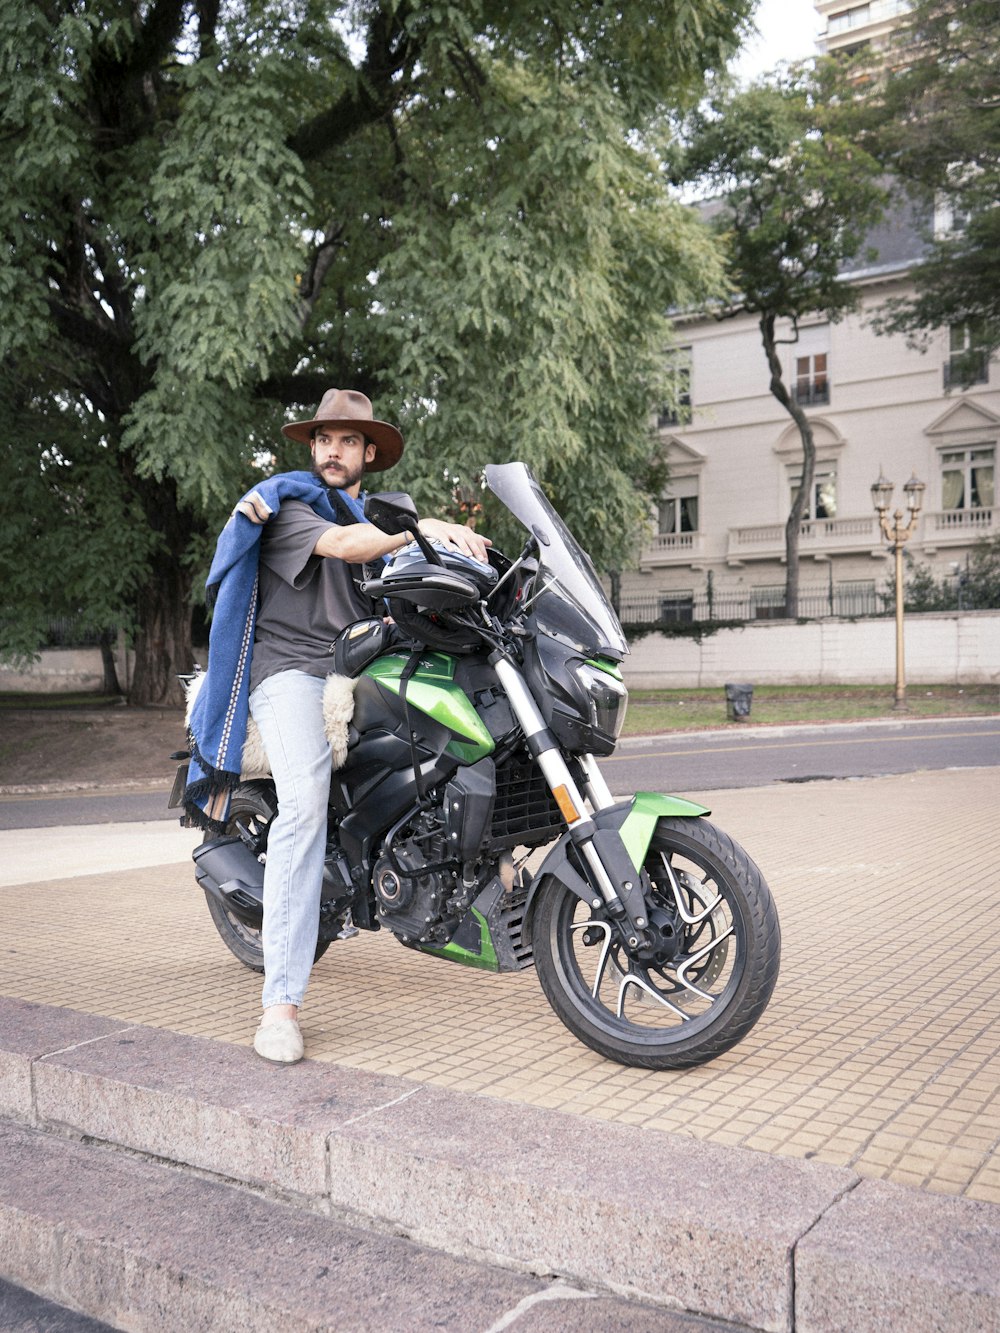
{"x": 288, "y": 710}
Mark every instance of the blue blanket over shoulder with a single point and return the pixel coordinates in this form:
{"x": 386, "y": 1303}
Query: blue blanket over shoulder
{"x": 218, "y": 722}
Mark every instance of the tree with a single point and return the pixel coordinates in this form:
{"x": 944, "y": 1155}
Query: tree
{"x": 976, "y": 588}
{"x": 793, "y": 199}
{"x": 980, "y": 584}
{"x": 929, "y": 108}
{"x": 213, "y": 213}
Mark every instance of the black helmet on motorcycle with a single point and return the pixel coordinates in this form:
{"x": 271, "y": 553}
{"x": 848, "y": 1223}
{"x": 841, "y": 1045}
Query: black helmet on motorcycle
{"x": 445, "y": 625}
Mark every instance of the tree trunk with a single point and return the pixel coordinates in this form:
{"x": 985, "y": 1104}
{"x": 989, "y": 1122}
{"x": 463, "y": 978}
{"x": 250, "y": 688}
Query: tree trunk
{"x": 793, "y": 525}
{"x": 111, "y": 685}
{"x": 163, "y": 644}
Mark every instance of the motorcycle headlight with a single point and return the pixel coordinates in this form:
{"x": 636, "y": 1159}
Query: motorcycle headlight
{"x": 606, "y": 697}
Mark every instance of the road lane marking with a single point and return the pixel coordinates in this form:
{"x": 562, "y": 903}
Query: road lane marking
{"x": 792, "y": 745}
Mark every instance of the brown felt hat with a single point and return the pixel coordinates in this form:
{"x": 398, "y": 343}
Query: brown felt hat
{"x": 347, "y": 409}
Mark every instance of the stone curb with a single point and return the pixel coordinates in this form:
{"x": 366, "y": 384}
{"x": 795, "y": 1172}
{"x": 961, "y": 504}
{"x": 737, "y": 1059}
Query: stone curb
{"x": 770, "y": 1242}
{"x": 148, "y": 1248}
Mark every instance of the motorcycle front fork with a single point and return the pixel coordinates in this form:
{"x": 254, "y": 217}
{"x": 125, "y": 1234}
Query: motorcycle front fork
{"x": 609, "y": 868}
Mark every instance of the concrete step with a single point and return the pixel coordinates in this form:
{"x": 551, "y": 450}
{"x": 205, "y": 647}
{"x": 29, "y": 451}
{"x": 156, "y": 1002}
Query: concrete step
{"x": 761, "y": 1241}
{"x": 142, "y": 1246}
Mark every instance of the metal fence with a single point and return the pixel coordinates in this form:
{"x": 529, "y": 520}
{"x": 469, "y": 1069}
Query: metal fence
{"x": 71, "y": 633}
{"x": 847, "y": 600}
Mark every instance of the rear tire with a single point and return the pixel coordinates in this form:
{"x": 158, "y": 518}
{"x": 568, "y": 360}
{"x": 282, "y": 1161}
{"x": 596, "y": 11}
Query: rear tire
{"x": 703, "y": 983}
{"x": 251, "y": 809}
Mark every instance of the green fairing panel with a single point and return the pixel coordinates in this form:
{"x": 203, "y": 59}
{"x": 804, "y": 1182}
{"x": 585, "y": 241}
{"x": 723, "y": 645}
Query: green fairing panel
{"x": 603, "y": 664}
{"x": 640, "y": 822}
{"x": 486, "y": 958}
{"x": 433, "y": 691}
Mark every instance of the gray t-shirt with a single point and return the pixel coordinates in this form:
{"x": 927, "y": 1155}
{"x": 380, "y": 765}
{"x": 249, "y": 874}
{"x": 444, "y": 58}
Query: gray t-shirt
{"x": 305, "y": 599}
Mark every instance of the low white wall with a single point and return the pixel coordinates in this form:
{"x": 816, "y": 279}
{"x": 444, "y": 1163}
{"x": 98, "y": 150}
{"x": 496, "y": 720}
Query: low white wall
{"x": 941, "y": 648}
{"x": 60, "y": 671}
{"x": 71, "y": 671}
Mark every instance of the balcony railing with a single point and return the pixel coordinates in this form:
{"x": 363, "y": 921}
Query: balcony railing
{"x": 822, "y": 536}
{"x": 971, "y": 523}
{"x": 672, "y": 547}
{"x": 766, "y": 540}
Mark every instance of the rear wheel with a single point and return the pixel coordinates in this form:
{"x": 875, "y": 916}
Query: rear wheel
{"x": 701, "y": 983}
{"x": 251, "y": 810}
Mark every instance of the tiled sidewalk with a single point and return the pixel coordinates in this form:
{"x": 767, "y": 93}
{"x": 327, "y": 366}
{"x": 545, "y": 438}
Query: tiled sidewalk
{"x": 878, "y": 1051}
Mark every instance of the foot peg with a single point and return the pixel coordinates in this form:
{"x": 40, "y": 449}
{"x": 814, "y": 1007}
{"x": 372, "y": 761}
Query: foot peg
{"x": 349, "y": 929}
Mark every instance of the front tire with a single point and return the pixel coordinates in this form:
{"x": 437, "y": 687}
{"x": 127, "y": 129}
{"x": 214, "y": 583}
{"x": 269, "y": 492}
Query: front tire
{"x": 703, "y": 981}
{"x": 251, "y": 809}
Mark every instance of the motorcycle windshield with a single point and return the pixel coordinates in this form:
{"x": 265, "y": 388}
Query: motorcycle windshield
{"x": 567, "y": 600}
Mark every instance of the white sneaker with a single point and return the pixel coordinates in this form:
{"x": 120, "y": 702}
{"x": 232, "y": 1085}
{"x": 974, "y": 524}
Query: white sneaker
{"x": 280, "y": 1042}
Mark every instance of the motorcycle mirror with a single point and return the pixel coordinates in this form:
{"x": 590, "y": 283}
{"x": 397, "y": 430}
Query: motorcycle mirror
{"x": 392, "y": 511}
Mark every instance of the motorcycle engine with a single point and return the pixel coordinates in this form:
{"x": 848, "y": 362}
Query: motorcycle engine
{"x": 419, "y": 897}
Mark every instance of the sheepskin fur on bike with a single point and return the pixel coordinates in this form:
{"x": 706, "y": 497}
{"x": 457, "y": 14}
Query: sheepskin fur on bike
{"x": 338, "y": 709}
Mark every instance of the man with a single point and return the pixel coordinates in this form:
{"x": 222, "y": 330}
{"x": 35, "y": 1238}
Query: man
{"x": 303, "y": 593}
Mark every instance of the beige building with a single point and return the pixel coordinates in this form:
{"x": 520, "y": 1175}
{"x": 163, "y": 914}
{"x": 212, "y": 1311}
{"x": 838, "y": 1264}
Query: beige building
{"x": 876, "y": 405}
{"x": 851, "y": 26}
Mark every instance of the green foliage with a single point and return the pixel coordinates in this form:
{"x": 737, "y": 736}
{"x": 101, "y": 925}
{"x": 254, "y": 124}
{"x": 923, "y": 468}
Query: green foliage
{"x": 981, "y": 582}
{"x": 976, "y": 588}
{"x": 73, "y": 541}
{"x": 213, "y": 213}
{"x": 543, "y": 291}
{"x": 795, "y": 195}
{"x": 922, "y": 590}
{"x": 698, "y": 630}
{"x": 932, "y": 116}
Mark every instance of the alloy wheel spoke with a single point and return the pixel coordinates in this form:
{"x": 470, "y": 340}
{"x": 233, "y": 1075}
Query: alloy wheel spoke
{"x": 642, "y": 984}
{"x": 686, "y": 915}
{"x": 602, "y": 962}
{"x": 694, "y": 958}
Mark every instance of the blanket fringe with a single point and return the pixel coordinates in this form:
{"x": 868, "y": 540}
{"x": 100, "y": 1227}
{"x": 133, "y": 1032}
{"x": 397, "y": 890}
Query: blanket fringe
{"x": 201, "y": 795}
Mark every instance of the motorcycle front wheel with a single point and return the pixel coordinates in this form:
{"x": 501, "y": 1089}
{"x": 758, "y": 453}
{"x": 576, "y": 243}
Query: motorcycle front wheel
{"x": 251, "y": 810}
{"x": 698, "y": 986}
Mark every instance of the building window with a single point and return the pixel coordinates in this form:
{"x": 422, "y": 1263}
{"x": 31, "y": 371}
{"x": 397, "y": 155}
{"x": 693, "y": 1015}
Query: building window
{"x": 968, "y": 360}
{"x": 948, "y": 219}
{"x": 848, "y": 18}
{"x": 768, "y": 603}
{"x": 967, "y": 478}
{"x": 811, "y": 382}
{"x": 678, "y": 412}
{"x": 678, "y": 510}
{"x": 677, "y": 608}
{"x": 822, "y": 503}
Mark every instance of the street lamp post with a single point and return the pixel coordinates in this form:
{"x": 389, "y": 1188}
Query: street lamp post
{"x": 898, "y": 535}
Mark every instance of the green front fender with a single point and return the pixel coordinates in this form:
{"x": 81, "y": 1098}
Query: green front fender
{"x": 635, "y": 821}
{"x": 639, "y": 824}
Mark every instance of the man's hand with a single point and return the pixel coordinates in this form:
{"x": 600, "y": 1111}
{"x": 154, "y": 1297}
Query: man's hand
{"x": 254, "y": 507}
{"x": 456, "y": 537}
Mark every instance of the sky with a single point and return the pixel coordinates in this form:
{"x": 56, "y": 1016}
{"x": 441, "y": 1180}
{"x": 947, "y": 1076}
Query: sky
{"x": 788, "y": 30}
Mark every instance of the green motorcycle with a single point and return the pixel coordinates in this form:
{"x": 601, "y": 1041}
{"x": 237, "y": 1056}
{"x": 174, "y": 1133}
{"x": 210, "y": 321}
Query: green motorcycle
{"x": 470, "y": 817}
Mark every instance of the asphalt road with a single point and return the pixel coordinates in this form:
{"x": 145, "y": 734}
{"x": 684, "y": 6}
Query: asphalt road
{"x": 759, "y": 756}
{"x": 678, "y": 763}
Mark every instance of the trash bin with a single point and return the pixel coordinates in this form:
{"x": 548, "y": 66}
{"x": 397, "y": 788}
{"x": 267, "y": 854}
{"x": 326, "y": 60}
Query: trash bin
{"x": 738, "y": 701}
